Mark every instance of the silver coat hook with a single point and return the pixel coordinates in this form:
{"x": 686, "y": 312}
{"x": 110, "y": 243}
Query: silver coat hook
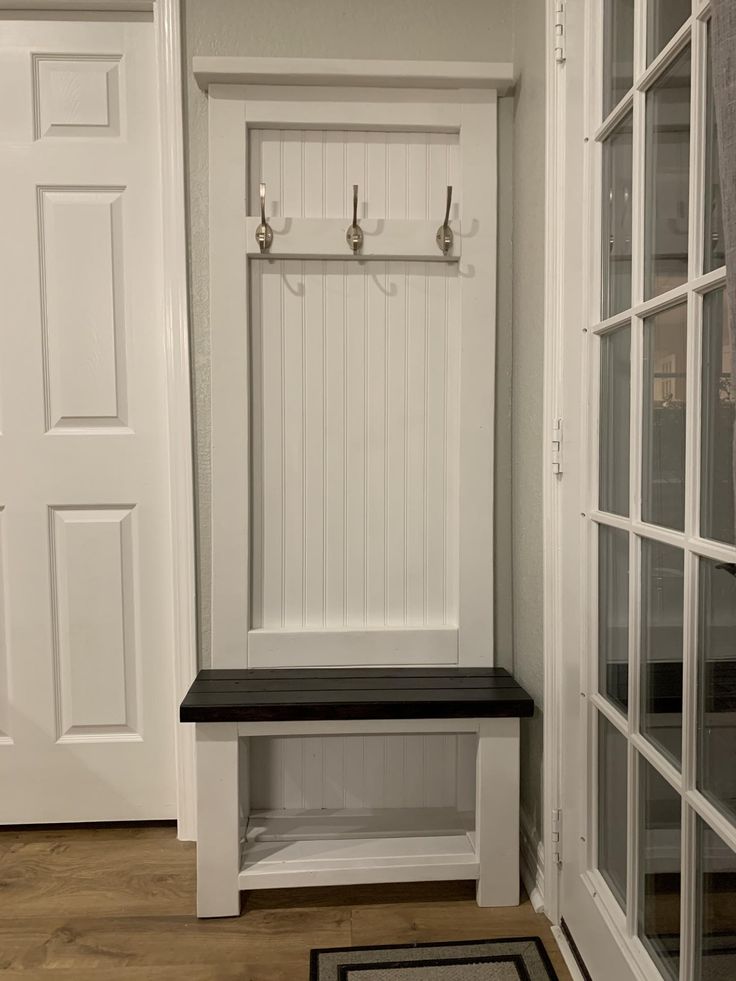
{"x": 264, "y": 232}
{"x": 445, "y": 238}
{"x": 354, "y": 234}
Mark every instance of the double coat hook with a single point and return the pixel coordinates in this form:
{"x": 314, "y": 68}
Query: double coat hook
{"x": 354, "y": 234}
{"x": 445, "y": 237}
{"x": 264, "y": 232}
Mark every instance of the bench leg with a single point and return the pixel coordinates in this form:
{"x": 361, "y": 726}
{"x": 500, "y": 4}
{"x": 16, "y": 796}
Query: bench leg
{"x": 497, "y": 812}
{"x": 218, "y": 819}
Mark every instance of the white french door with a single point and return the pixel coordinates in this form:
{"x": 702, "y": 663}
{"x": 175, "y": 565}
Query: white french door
{"x": 86, "y": 687}
{"x": 648, "y": 885}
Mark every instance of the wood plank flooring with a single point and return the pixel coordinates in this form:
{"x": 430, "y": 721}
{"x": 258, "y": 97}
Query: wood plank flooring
{"x": 117, "y": 904}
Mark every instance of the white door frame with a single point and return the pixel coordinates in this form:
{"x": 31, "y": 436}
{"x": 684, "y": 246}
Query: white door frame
{"x": 554, "y": 321}
{"x": 167, "y": 28}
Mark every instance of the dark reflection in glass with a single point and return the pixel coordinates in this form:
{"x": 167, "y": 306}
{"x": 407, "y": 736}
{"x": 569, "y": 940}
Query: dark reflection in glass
{"x": 612, "y": 807}
{"x": 715, "y": 249}
{"x": 618, "y": 51}
{"x": 667, "y": 167}
{"x": 616, "y": 220}
{"x": 659, "y": 870}
{"x": 665, "y": 18}
{"x": 662, "y": 584}
{"x": 717, "y": 473}
{"x": 715, "y": 953}
{"x": 717, "y": 684}
{"x": 663, "y": 434}
{"x": 613, "y": 615}
{"x": 615, "y": 417}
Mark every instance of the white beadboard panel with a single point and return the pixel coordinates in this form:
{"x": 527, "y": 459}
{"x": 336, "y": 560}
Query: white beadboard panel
{"x": 5, "y": 735}
{"x": 311, "y": 173}
{"x": 76, "y": 96}
{"x": 82, "y": 287}
{"x": 93, "y": 576}
{"x": 355, "y": 772}
{"x": 355, "y": 434}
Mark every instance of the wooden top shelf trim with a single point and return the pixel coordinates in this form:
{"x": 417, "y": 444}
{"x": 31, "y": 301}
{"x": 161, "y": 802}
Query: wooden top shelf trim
{"x": 223, "y": 70}
{"x": 296, "y": 695}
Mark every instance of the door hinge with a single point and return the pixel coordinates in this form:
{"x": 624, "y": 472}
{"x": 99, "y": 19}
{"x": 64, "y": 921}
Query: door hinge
{"x": 557, "y": 837}
{"x": 557, "y": 446}
{"x": 559, "y": 32}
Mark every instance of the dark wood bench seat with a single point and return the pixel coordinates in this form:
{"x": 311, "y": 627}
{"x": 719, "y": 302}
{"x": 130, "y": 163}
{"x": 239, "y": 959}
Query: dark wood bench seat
{"x": 240, "y": 847}
{"x": 293, "y": 694}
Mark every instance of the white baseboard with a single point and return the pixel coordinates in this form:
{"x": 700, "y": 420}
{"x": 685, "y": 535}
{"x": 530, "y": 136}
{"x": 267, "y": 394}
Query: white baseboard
{"x": 532, "y": 862}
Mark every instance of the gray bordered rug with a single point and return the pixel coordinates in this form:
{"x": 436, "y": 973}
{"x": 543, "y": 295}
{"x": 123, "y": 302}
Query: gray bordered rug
{"x": 511, "y": 959}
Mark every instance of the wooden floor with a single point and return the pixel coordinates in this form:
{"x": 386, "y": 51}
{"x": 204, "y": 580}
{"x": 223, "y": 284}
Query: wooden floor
{"x": 117, "y": 904}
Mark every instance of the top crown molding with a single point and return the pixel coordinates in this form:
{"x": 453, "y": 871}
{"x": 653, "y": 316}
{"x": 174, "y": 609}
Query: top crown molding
{"x": 342, "y": 71}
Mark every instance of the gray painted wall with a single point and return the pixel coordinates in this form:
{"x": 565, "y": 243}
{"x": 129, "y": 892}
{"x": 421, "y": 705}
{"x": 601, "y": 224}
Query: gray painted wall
{"x": 527, "y": 384}
{"x": 474, "y": 30}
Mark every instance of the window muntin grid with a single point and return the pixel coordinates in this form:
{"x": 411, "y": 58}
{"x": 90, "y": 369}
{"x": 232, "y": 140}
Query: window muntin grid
{"x": 703, "y": 275}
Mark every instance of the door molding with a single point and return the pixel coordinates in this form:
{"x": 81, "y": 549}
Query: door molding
{"x": 175, "y": 320}
{"x": 167, "y": 25}
{"x": 554, "y": 322}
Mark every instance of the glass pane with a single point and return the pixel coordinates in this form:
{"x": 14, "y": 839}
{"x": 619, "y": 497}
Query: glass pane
{"x": 665, "y": 19}
{"x": 667, "y": 176}
{"x": 715, "y": 249}
{"x": 662, "y": 585}
{"x": 613, "y": 615}
{"x": 717, "y": 685}
{"x": 612, "y": 807}
{"x": 659, "y": 870}
{"x": 615, "y": 420}
{"x": 717, "y": 471}
{"x": 716, "y": 905}
{"x": 663, "y": 436}
{"x": 616, "y": 220}
{"x": 618, "y": 56}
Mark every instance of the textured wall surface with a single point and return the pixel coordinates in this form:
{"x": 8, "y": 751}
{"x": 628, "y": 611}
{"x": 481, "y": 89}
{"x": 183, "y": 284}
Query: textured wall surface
{"x": 527, "y": 384}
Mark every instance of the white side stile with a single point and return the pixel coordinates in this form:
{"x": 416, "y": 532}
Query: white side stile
{"x": 497, "y": 812}
{"x": 230, "y": 395}
{"x": 218, "y": 819}
{"x": 479, "y": 180}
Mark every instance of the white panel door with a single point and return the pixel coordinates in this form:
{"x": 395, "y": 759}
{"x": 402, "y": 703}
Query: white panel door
{"x": 86, "y": 689}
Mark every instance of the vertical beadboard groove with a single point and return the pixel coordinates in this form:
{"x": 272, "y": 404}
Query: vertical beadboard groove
{"x": 400, "y": 175}
{"x": 325, "y": 440}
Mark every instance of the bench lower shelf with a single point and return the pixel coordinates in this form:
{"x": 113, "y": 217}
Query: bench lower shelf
{"x": 325, "y": 848}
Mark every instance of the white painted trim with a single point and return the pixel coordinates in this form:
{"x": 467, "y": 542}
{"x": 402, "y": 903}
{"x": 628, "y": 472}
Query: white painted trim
{"x": 85, "y": 6}
{"x": 551, "y": 498}
{"x": 532, "y": 862}
{"x": 359, "y": 727}
{"x": 358, "y": 648}
{"x": 167, "y": 26}
{"x": 343, "y": 71}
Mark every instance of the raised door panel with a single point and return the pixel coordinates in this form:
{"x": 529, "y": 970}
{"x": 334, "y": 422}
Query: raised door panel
{"x": 82, "y": 306}
{"x": 93, "y": 590}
